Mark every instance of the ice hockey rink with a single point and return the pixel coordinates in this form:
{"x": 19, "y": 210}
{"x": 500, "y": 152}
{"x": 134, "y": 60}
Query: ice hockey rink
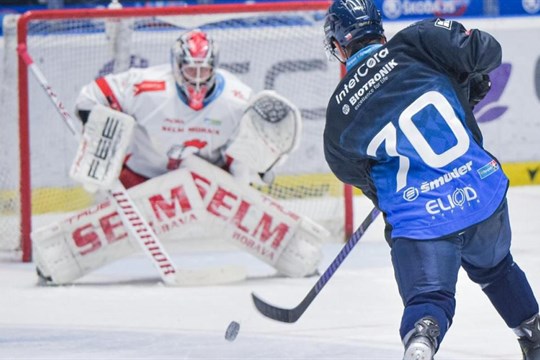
{"x": 124, "y": 312}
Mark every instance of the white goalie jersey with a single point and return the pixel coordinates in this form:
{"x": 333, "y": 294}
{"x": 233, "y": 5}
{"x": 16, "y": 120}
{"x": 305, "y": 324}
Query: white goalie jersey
{"x": 167, "y": 128}
{"x": 249, "y": 134}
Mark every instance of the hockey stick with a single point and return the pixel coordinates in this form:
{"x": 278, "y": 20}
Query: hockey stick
{"x": 293, "y": 314}
{"x": 130, "y": 215}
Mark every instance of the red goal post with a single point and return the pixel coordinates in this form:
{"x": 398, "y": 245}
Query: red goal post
{"x": 268, "y": 45}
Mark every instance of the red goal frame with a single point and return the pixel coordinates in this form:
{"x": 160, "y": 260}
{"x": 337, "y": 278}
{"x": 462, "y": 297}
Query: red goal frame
{"x": 24, "y": 112}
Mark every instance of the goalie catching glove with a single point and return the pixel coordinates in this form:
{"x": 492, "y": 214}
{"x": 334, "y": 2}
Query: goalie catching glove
{"x": 270, "y": 130}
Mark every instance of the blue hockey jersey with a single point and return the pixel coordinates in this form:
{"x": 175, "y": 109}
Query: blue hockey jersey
{"x": 399, "y": 127}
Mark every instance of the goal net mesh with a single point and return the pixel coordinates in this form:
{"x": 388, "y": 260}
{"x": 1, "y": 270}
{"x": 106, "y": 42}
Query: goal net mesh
{"x": 280, "y": 50}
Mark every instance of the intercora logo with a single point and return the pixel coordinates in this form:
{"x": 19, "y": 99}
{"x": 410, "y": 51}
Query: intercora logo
{"x": 394, "y": 9}
{"x": 488, "y": 109}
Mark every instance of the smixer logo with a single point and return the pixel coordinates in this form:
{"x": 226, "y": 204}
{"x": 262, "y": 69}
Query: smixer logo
{"x": 412, "y": 193}
{"x": 394, "y": 9}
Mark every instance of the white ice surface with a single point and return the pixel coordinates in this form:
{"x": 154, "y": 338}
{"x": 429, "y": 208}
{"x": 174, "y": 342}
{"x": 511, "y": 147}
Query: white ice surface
{"x": 124, "y": 312}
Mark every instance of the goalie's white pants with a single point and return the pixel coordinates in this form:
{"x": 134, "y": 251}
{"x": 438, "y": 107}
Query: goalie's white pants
{"x": 193, "y": 199}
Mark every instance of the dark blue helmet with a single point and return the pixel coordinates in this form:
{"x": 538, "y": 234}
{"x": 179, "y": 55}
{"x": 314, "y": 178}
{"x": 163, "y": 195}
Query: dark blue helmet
{"x": 351, "y": 20}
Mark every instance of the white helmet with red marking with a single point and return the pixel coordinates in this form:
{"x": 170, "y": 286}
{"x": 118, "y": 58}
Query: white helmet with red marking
{"x": 194, "y": 57}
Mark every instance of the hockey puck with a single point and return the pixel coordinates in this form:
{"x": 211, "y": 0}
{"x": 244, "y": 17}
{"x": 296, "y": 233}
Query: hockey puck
{"x": 232, "y": 331}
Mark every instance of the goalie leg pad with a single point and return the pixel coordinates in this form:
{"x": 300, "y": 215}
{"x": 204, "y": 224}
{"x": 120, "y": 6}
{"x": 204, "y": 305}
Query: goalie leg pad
{"x": 95, "y": 237}
{"x": 67, "y": 250}
{"x": 303, "y": 254}
{"x": 197, "y": 198}
{"x": 258, "y": 224}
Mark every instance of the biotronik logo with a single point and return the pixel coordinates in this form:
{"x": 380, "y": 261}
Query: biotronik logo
{"x": 394, "y": 9}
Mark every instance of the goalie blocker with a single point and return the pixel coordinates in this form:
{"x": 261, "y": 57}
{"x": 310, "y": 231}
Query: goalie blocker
{"x": 179, "y": 204}
{"x": 102, "y": 148}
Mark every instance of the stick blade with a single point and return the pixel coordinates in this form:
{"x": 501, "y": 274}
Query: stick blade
{"x": 274, "y": 312}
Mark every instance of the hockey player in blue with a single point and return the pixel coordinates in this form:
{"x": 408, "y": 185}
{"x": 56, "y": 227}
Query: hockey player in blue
{"x": 400, "y": 127}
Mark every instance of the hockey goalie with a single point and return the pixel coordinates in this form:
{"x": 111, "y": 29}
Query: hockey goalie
{"x": 187, "y": 141}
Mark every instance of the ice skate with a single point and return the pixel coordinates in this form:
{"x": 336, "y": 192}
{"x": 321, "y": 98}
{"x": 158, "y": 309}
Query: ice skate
{"x": 421, "y": 342}
{"x": 529, "y": 338}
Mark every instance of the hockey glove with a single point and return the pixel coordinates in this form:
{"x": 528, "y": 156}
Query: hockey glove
{"x": 479, "y": 86}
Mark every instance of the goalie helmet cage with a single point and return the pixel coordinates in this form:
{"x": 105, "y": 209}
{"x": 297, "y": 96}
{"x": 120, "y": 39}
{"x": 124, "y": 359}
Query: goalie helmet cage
{"x": 267, "y": 45}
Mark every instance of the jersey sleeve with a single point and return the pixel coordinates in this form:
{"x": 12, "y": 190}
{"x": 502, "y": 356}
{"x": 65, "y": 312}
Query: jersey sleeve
{"x": 460, "y": 51}
{"x": 237, "y": 96}
{"x": 113, "y": 90}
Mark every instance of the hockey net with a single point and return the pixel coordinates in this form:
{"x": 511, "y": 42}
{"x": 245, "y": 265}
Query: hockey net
{"x": 269, "y": 46}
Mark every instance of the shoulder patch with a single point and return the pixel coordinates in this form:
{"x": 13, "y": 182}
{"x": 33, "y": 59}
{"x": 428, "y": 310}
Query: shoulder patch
{"x": 148, "y": 85}
{"x": 442, "y": 23}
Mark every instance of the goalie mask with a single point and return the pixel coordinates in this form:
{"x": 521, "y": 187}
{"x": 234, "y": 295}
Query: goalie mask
{"x": 194, "y": 58}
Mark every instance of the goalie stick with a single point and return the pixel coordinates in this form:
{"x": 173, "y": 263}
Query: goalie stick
{"x": 131, "y": 217}
{"x": 293, "y": 314}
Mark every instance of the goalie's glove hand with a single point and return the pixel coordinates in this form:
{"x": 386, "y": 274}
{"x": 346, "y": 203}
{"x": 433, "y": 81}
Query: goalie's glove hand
{"x": 244, "y": 175}
{"x": 479, "y": 86}
{"x": 239, "y": 171}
